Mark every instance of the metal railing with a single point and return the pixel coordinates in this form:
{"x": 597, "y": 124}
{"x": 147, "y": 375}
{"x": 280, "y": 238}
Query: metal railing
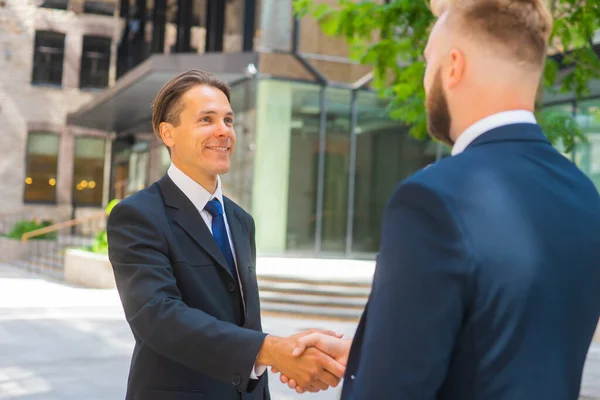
{"x": 43, "y": 250}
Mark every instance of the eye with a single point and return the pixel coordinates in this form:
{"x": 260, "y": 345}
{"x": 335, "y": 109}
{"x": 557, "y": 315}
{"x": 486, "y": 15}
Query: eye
{"x": 205, "y": 119}
{"x": 229, "y": 120}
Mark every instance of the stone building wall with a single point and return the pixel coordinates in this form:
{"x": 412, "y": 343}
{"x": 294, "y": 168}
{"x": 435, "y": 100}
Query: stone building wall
{"x": 25, "y": 107}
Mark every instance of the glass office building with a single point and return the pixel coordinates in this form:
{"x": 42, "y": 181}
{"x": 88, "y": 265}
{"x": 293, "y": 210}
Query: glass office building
{"x": 317, "y": 155}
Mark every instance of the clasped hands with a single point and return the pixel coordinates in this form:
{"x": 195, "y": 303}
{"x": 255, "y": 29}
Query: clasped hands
{"x": 309, "y": 361}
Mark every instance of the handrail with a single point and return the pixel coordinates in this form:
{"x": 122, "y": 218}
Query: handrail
{"x": 61, "y": 225}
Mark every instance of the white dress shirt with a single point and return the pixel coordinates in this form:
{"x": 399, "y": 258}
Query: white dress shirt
{"x": 491, "y": 122}
{"x": 200, "y": 197}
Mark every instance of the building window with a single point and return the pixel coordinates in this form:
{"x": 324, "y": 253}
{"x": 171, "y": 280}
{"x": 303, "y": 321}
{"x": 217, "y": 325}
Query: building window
{"x": 95, "y": 62}
{"x": 130, "y": 163}
{"x": 56, "y": 4}
{"x": 88, "y": 174}
{"x": 99, "y": 7}
{"x": 48, "y": 58}
{"x": 41, "y": 167}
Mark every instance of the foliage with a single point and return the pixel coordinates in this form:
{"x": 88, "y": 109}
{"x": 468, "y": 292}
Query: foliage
{"x": 392, "y": 37}
{"x": 100, "y": 244}
{"x": 25, "y": 226}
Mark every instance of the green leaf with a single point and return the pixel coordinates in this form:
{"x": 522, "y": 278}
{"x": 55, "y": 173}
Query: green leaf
{"x": 320, "y": 11}
{"x": 302, "y": 7}
{"x": 330, "y": 23}
{"x": 551, "y": 72}
{"x": 111, "y": 205}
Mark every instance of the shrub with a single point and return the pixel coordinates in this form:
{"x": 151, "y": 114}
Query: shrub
{"x": 25, "y": 226}
{"x": 100, "y": 244}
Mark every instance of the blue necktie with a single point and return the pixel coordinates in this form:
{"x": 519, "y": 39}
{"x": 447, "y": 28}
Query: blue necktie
{"x": 219, "y": 232}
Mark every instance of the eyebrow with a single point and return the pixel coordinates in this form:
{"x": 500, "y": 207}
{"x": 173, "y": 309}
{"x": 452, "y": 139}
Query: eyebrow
{"x": 213, "y": 112}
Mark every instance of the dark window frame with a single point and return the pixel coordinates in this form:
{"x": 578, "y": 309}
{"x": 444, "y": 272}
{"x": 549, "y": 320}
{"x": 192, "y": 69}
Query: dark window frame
{"x": 99, "y": 7}
{"x": 55, "y": 4}
{"x": 47, "y": 73}
{"x": 27, "y": 169}
{"x": 90, "y": 76}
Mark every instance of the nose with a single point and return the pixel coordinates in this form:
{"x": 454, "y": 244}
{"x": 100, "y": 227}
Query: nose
{"x": 223, "y": 130}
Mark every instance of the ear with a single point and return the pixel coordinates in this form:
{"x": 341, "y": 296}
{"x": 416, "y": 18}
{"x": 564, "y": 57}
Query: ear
{"x": 456, "y": 71}
{"x": 166, "y": 133}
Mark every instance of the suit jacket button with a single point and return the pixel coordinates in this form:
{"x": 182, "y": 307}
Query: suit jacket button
{"x": 231, "y": 287}
{"x": 236, "y": 380}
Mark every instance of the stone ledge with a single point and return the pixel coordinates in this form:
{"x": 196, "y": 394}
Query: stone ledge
{"x": 88, "y": 269}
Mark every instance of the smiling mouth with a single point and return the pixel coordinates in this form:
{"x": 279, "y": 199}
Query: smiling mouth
{"x": 217, "y": 148}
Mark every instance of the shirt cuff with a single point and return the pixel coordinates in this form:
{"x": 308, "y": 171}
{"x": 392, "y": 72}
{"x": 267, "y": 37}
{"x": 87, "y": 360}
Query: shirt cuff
{"x": 257, "y": 371}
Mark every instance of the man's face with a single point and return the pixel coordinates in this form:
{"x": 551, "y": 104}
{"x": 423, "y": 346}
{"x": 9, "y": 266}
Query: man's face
{"x": 204, "y": 139}
{"x": 439, "y": 121}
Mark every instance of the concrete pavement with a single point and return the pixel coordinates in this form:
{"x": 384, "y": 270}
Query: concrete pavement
{"x": 59, "y": 342}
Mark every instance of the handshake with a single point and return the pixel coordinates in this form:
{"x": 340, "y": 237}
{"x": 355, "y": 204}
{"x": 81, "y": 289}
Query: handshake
{"x": 310, "y": 361}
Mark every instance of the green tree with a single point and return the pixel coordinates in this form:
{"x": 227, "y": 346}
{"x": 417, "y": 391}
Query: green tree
{"x": 391, "y": 38}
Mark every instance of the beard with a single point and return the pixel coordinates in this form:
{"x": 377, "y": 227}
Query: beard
{"x": 438, "y": 112}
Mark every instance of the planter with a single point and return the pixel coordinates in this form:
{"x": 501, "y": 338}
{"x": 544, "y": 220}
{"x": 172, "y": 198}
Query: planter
{"x": 88, "y": 269}
{"x": 11, "y": 249}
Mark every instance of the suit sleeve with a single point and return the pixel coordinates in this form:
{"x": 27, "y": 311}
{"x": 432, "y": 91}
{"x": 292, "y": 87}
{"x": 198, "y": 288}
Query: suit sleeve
{"x": 156, "y": 312}
{"x": 417, "y": 301}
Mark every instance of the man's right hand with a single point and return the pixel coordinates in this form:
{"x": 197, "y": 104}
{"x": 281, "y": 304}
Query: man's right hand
{"x": 336, "y": 347}
{"x": 313, "y": 370}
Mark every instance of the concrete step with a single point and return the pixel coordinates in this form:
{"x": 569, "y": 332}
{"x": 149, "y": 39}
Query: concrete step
{"x": 313, "y": 288}
{"x": 311, "y": 311}
{"x": 346, "y": 281}
{"x": 308, "y": 295}
{"x": 312, "y": 300}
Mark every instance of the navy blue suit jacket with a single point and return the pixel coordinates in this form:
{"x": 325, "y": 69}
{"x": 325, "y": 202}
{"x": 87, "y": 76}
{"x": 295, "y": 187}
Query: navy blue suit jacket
{"x": 487, "y": 284}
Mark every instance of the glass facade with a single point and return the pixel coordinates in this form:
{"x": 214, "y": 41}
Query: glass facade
{"x": 88, "y": 172}
{"x": 385, "y": 154}
{"x": 41, "y": 167}
{"x": 587, "y": 115}
{"x": 319, "y": 188}
{"x": 130, "y": 166}
{"x": 587, "y": 155}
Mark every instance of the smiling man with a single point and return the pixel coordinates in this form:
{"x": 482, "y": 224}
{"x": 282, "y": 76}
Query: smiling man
{"x": 184, "y": 260}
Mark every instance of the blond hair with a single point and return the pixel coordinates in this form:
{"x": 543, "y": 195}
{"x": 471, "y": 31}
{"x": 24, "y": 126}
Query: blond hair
{"x": 522, "y": 27}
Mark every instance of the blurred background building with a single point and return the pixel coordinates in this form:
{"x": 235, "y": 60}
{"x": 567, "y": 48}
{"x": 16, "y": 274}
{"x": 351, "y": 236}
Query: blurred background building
{"x": 317, "y": 155}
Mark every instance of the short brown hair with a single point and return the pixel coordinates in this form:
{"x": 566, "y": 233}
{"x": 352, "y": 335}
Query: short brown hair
{"x": 522, "y": 27}
{"x": 167, "y": 105}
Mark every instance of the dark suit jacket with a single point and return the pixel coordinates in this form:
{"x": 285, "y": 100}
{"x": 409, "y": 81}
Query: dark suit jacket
{"x": 487, "y": 284}
{"x": 192, "y": 338}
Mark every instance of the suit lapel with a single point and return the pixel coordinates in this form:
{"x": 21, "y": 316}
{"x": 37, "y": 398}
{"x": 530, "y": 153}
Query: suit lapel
{"x": 241, "y": 243}
{"x": 186, "y": 215}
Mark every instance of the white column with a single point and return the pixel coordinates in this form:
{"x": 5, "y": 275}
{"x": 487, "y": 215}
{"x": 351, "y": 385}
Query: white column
{"x": 272, "y": 164}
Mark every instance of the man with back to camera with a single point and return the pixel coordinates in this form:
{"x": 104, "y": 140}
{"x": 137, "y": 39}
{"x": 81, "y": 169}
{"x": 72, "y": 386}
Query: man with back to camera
{"x": 184, "y": 260}
{"x": 487, "y": 282}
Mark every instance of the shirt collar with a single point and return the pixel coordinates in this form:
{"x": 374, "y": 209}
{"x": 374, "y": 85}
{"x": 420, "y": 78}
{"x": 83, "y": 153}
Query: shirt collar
{"x": 488, "y": 123}
{"x": 197, "y": 194}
